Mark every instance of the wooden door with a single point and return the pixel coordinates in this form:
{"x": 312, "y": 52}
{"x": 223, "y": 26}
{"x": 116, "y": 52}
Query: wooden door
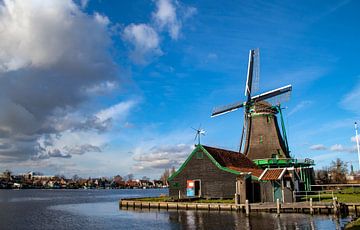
{"x": 277, "y": 191}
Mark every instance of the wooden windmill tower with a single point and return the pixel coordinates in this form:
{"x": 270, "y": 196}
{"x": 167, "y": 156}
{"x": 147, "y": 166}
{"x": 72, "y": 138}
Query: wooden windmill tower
{"x": 261, "y": 137}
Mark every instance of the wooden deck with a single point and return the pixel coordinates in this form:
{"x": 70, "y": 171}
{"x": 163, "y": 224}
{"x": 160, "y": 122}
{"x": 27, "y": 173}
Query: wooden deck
{"x": 298, "y": 207}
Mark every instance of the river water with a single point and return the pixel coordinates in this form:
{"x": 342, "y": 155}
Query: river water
{"x": 99, "y": 209}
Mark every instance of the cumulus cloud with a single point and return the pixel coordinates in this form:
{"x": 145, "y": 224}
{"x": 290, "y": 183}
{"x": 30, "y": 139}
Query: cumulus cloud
{"x": 53, "y": 153}
{"x": 113, "y": 112}
{"x": 334, "y": 148}
{"x": 318, "y": 147}
{"x": 166, "y": 18}
{"x": 66, "y": 144}
{"x": 53, "y": 59}
{"x": 145, "y": 42}
{"x": 161, "y": 157}
{"x": 337, "y": 148}
{"x": 37, "y": 34}
{"x": 341, "y": 148}
{"x": 145, "y": 38}
{"x": 82, "y": 149}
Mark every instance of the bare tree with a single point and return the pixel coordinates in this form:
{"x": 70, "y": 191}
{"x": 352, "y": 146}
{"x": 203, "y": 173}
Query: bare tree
{"x": 76, "y": 178}
{"x": 338, "y": 171}
{"x": 173, "y": 170}
{"x": 7, "y": 173}
{"x": 165, "y": 176}
{"x": 322, "y": 176}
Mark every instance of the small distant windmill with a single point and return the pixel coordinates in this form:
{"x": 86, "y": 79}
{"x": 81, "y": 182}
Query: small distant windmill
{"x": 260, "y": 130}
{"x": 198, "y": 134}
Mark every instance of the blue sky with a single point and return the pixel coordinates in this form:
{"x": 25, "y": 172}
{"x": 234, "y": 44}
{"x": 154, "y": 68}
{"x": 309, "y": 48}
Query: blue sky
{"x": 113, "y": 87}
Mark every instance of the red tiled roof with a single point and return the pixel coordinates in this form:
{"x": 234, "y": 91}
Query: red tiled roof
{"x": 227, "y": 158}
{"x": 272, "y": 174}
{"x": 254, "y": 171}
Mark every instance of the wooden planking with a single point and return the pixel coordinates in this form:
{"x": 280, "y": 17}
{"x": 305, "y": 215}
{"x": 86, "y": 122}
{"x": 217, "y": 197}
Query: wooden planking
{"x": 215, "y": 183}
{"x": 303, "y": 207}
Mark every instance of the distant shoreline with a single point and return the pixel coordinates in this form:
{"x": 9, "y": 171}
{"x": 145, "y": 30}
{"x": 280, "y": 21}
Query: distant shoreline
{"x": 108, "y": 188}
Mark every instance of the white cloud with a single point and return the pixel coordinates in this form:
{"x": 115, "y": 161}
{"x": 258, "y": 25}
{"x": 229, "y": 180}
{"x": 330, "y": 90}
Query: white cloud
{"x": 300, "y": 106}
{"x": 318, "y": 147}
{"x": 102, "y": 88}
{"x": 166, "y": 17}
{"x": 337, "y": 148}
{"x": 69, "y": 143}
{"x": 78, "y": 137}
{"x": 154, "y": 152}
{"x": 145, "y": 42}
{"x": 38, "y": 33}
{"x": 53, "y": 59}
{"x": 101, "y": 19}
{"x": 334, "y": 148}
{"x": 341, "y": 148}
{"x": 120, "y": 110}
{"x": 145, "y": 38}
{"x": 161, "y": 157}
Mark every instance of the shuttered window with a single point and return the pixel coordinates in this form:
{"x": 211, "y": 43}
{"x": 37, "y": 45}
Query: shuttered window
{"x": 199, "y": 155}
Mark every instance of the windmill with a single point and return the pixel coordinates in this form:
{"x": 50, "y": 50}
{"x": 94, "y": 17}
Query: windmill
{"x": 198, "y": 134}
{"x": 260, "y": 137}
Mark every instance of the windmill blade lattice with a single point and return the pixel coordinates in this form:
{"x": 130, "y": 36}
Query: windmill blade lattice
{"x": 256, "y": 72}
{"x": 198, "y": 134}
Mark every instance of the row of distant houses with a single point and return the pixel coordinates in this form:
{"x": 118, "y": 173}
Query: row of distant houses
{"x": 33, "y": 181}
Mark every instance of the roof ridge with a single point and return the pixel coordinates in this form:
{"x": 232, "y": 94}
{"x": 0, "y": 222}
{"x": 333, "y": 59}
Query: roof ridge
{"x": 230, "y": 158}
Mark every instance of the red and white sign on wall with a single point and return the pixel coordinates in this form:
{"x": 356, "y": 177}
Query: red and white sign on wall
{"x": 190, "y": 188}
{"x": 190, "y": 184}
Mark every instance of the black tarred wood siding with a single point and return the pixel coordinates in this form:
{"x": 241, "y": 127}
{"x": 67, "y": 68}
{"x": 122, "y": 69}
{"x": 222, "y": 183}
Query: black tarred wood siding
{"x": 215, "y": 183}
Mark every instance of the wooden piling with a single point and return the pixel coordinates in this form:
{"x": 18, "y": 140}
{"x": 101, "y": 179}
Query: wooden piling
{"x": 247, "y": 208}
{"x": 311, "y": 207}
{"x": 356, "y": 213}
{"x": 335, "y": 206}
{"x": 237, "y": 198}
{"x": 278, "y": 206}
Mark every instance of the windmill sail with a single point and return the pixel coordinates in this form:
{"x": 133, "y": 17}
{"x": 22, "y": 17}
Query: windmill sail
{"x": 226, "y": 109}
{"x": 249, "y": 77}
{"x": 260, "y": 135}
{"x": 256, "y": 72}
{"x": 272, "y": 93}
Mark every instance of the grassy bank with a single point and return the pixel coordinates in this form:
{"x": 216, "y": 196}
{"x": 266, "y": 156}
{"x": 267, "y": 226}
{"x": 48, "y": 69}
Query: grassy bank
{"x": 353, "y": 225}
{"x": 344, "y": 198}
{"x": 348, "y": 195}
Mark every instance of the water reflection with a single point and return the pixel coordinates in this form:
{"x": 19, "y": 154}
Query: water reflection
{"x": 233, "y": 220}
{"x": 99, "y": 210}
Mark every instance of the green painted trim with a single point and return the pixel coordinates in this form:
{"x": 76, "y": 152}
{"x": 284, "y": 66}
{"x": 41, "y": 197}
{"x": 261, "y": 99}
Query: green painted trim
{"x": 212, "y": 160}
{"x": 284, "y": 162}
{"x": 283, "y": 128}
{"x": 262, "y": 115}
{"x": 184, "y": 164}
